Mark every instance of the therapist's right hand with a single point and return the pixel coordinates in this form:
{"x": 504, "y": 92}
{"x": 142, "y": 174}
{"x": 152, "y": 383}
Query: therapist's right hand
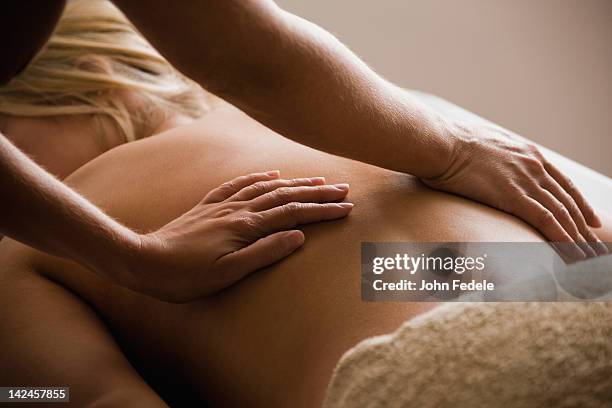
{"x": 243, "y": 225}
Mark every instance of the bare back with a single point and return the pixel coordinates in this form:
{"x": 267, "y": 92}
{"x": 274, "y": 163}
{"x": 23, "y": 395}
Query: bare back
{"x": 276, "y": 336}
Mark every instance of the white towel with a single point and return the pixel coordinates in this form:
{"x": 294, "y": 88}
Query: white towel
{"x": 484, "y": 355}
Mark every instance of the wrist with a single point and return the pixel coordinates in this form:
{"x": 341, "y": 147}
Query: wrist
{"x": 119, "y": 261}
{"x": 460, "y": 138}
{"x": 435, "y": 140}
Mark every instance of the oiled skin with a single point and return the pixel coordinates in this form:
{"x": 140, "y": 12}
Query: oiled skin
{"x": 271, "y": 340}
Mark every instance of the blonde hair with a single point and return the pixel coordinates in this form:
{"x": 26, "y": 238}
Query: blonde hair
{"x": 97, "y": 63}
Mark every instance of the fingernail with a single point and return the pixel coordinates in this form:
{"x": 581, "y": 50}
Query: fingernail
{"x": 273, "y": 173}
{"x": 601, "y": 248}
{"x": 346, "y": 205}
{"x": 342, "y": 186}
{"x": 588, "y": 249}
{"x": 318, "y": 180}
{"x": 296, "y": 237}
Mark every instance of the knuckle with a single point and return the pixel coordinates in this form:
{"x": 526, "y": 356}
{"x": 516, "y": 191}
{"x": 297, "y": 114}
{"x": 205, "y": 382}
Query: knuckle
{"x": 282, "y": 193}
{"x": 322, "y": 189}
{"x": 257, "y": 219}
{"x": 255, "y": 187}
{"x": 533, "y": 164}
{"x": 291, "y": 212}
{"x": 296, "y": 182}
{"x": 260, "y": 187}
{"x": 564, "y": 211}
{"x": 523, "y": 197}
{"x": 247, "y": 223}
{"x": 293, "y": 207}
{"x": 545, "y": 218}
{"x": 534, "y": 151}
{"x": 228, "y": 186}
{"x": 572, "y": 206}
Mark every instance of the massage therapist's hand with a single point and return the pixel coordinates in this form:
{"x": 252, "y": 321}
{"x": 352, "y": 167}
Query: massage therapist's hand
{"x": 491, "y": 166}
{"x": 239, "y": 227}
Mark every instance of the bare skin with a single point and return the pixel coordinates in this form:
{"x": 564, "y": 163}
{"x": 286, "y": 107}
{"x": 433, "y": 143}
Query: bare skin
{"x": 270, "y": 340}
{"x": 62, "y": 144}
{"x": 299, "y": 80}
{"x": 43, "y": 212}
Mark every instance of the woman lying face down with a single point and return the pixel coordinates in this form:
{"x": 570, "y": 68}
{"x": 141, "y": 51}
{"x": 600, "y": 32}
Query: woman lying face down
{"x": 271, "y": 340}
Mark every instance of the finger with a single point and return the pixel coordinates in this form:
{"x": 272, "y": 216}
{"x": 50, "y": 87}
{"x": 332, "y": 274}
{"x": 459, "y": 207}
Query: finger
{"x": 544, "y": 221}
{"x": 293, "y": 214}
{"x": 562, "y": 214}
{"x": 567, "y": 184}
{"x": 570, "y": 204}
{"x": 263, "y": 252}
{"x": 302, "y": 194}
{"x": 231, "y": 187}
{"x": 263, "y": 187}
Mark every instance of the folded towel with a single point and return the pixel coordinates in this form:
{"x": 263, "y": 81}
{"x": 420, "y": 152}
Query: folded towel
{"x": 484, "y": 355}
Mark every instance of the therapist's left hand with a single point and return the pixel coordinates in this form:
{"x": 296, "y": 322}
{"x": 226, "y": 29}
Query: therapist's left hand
{"x": 491, "y": 166}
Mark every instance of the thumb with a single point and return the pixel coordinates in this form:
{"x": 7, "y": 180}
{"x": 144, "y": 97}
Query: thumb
{"x": 260, "y": 254}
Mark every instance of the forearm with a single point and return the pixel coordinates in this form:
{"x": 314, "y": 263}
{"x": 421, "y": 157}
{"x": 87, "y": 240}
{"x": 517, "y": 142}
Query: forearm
{"x": 41, "y": 211}
{"x": 298, "y": 80}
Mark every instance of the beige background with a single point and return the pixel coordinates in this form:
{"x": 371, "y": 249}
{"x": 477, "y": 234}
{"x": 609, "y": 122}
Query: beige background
{"x": 542, "y": 68}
